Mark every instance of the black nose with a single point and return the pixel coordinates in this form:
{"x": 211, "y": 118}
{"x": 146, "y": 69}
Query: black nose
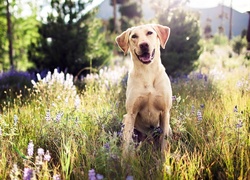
{"x": 144, "y": 46}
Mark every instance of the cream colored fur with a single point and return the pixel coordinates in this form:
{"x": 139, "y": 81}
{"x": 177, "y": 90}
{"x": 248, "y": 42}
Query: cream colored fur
{"x": 149, "y": 92}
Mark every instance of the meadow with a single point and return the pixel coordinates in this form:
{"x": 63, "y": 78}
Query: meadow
{"x": 60, "y": 131}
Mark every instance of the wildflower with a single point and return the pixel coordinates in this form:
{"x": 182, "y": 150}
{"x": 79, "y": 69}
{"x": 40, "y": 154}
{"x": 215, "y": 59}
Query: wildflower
{"x": 40, "y": 151}
{"x": 0, "y": 131}
{"x": 14, "y": 172}
{"x": 239, "y": 124}
{"x": 39, "y": 161}
{"x": 30, "y": 148}
{"x": 56, "y": 177}
{"x": 199, "y": 115}
{"x": 47, "y": 115}
{"x": 107, "y": 146}
{"x": 47, "y": 156}
{"x": 15, "y": 120}
{"x": 92, "y": 174}
{"x": 173, "y": 98}
{"x": 77, "y": 102}
{"x": 99, "y": 177}
{"x": 202, "y": 106}
{"x": 38, "y": 77}
{"x": 33, "y": 83}
{"x": 192, "y": 109}
{"x": 235, "y": 108}
{"x": 27, "y": 173}
{"x": 59, "y": 116}
{"x": 129, "y": 178}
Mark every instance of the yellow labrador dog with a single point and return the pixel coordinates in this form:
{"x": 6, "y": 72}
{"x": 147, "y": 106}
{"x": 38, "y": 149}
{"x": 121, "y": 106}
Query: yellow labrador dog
{"x": 149, "y": 92}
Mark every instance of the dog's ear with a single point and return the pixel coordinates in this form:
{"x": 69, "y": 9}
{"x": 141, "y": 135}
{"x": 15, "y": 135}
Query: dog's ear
{"x": 163, "y": 33}
{"x": 122, "y": 41}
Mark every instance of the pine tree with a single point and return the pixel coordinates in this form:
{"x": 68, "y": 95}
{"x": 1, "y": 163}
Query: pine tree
{"x": 183, "y": 47}
{"x": 65, "y": 40}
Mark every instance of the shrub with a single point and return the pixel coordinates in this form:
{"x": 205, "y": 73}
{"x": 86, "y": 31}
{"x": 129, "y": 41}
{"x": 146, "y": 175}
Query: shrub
{"x": 220, "y": 39}
{"x": 238, "y": 44}
{"x": 183, "y": 46}
{"x": 13, "y": 83}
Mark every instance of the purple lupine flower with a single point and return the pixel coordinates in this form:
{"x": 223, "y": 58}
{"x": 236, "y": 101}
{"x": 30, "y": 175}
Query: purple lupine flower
{"x": 56, "y": 177}
{"x": 27, "y": 173}
{"x": 173, "y": 98}
{"x": 239, "y": 124}
{"x": 92, "y": 174}
{"x": 30, "y": 148}
{"x": 47, "y": 156}
{"x": 235, "y": 108}
{"x": 47, "y": 115}
{"x": 59, "y": 116}
{"x": 129, "y": 178}
{"x": 40, "y": 151}
{"x": 202, "y": 106}
{"x": 99, "y": 177}
{"x": 192, "y": 109}
{"x": 106, "y": 146}
{"x": 199, "y": 115}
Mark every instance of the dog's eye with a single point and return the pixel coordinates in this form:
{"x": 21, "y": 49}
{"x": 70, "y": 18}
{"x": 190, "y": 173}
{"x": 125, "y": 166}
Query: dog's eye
{"x": 149, "y": 32}
{"x": 134, "y": 36}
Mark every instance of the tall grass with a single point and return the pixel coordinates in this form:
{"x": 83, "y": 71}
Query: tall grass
{"x": 80, "y": 129}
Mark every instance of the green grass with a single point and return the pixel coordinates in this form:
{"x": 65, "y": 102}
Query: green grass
{"x": 81, "y": 128}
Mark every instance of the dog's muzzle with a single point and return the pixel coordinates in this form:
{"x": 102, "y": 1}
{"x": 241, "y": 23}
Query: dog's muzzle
{"x": 146, "y": 57}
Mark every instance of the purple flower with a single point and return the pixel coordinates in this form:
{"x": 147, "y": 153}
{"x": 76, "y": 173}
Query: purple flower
{"x": 56, "y": 177}
{"x": 27, "y": 173}
{"x": 30, "y": 148}
{"x": 199, "y": 115}
{"x": 173, "y": 98}
{"x": 40, "y": 151}
{"x": 106, "y": 146}
{"x": 239, "y": 124}
{"x": 235, "y": 108}
{"x": 47, "y": 115}
{"x": 202, "y": 106}
{"x": 47, "y": 156}
{"x": 129, "y": 178}
{"x": 59, "y": 116}
{"x": 192, "y": 109}
{"x": 92, "y": 174}
{"x": 99, "y": 177}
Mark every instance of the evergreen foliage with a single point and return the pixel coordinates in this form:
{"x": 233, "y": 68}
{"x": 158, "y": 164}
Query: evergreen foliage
{"x": 183, "y": 47}
{"x": 70, "y": 40}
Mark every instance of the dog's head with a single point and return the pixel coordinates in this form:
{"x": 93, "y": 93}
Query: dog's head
{"x": 143, "y": 41}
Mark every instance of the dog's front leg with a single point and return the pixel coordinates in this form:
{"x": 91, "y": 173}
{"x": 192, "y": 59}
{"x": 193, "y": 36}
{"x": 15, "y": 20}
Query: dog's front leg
{"x": 167, "y": 132}
{"x": 129, "y": 122}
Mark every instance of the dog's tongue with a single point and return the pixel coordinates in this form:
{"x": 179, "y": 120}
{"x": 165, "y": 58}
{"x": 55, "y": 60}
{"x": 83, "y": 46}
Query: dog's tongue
{"x": 145, "y": 57}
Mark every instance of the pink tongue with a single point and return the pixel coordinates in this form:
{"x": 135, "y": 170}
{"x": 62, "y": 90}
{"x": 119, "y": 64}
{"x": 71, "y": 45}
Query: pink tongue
{"x": 145, "y": 57}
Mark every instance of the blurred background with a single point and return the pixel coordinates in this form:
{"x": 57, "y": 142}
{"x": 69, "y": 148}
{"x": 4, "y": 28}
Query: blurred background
{"x": 77, "y": 36}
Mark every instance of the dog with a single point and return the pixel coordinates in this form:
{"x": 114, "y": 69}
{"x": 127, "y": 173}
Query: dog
{"x": 149, "y": 92}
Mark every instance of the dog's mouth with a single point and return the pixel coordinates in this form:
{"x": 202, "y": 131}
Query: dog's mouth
{"x": 146, "y": 57}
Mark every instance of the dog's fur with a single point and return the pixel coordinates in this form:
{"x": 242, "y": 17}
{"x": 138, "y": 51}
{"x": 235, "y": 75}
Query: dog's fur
{"x": 149, "y": 92}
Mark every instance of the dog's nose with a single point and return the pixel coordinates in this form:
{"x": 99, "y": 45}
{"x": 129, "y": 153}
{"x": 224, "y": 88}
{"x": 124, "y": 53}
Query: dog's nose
{"x": 144, "y": 46}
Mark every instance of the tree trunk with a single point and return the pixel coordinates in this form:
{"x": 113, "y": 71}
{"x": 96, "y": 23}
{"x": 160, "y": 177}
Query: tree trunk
{"x": 230, "y": 21}
{"x": 114, "y": 14}
{"x": 248, "y": 33}
{"x": 9, "y": 34}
